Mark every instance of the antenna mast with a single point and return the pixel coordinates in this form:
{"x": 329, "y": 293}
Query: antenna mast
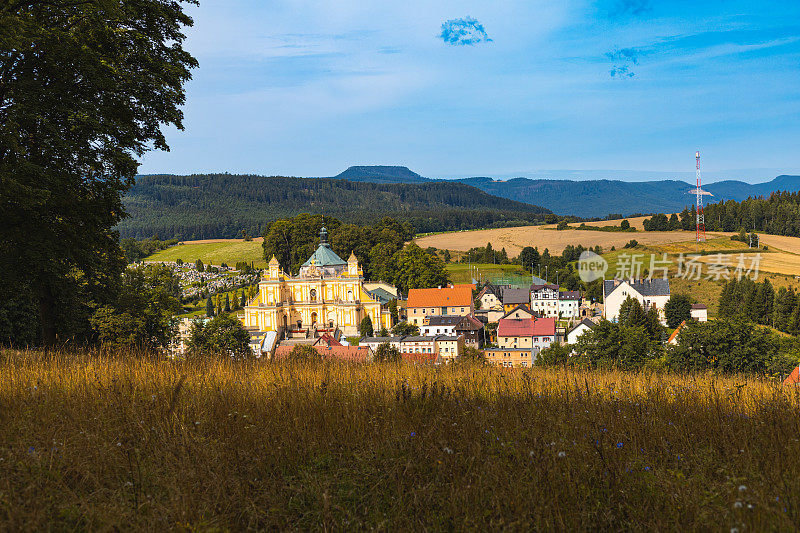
{"x": 701, "y": 219}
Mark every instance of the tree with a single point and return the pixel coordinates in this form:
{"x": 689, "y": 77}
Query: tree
{"x": 142, "y": 314}
{"x": 393, "y": 311}
{"x": 222, "y": 335}
{"x": 529, "y": 258}
{"x": 304, "y": 353}
{"x": 625, "y": 225}
{"x": 85, "y": 88}
{"x": 446, "y": 256}
{"x": 209, "y": 307}
{"x": 386, "y": 353}
{"x": 227, "y": 307}
{"x": 417, "y": 269}
{"x": 365, "y": 328}
{"x": 677, "y": 309}
{"x": 404, "y": 328}
{"x": 471, "y": 355}
{"x": 243, "y": 303}
{"x": 199, "y": 265}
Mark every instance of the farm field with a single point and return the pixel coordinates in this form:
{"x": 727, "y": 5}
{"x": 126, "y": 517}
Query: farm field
{"x": 107, "y": 443}
{"x": 214, "y": 251}
{"x": 514, "y": 239}
{"x": 464, "y": 272}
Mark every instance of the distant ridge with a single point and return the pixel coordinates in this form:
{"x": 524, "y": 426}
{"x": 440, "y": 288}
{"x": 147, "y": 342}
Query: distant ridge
{"x": 587, "y": 198}
{"x": 381, "y": 174}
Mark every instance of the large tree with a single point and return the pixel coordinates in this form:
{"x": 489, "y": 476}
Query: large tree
{"x": 85, "y": 89}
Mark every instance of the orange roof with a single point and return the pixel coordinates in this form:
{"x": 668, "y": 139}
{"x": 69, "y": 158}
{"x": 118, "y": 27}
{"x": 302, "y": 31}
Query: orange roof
{"x": 420, "y": 358}
{"x": 675, "y": 333}
{"x": 794, "y": 377}
{"x": 358, "y": 354}
{"x": 458, "y": 295}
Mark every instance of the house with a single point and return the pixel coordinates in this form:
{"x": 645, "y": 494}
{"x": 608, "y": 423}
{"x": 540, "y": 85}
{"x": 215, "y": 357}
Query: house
{"x": 472, "y": 330}
{"x": 489, "y": 315}
{"x": 491, "y": 296}
{"x": 651, "y": 293}
{"x": 673, "y": 339}
{"x": 418, "y": 358}
{"x": 526, "y": 334}
{"x": 450, "y": 347}
{"x": 544, "y": 300}
{"x": 453, "y": 300}
{"x": 514, "y": 297}
{"x": 521, "y": 311}
{"x": 374, "y": 342}
{"x": 579, "y": 329}
{"x": 440, "y": 325}
{"x": 700, "y": 312}
{"x": 326, "y": 340}
{"x": 418, "y": 344}
{"x": 569, "y": 303}
{"x": 345, "y": 354}
{"x": 509, "y": 357}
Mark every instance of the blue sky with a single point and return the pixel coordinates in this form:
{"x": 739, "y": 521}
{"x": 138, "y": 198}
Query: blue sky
{"x": 468, "y": 88}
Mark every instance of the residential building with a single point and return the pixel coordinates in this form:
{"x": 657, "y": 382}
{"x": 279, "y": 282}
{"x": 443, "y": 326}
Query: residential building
{"x": 569, "y": 303}
{"x": 491, "y": 296}
{"x": 509, "y": 357}
{"x": 374, "y": 342}
{"x": 699, "y": 312}
{"x": 440, "y": 325}
{"x": 584, "y": 326}
{"x": 520, "y": 311}
{"x": 514, "y": 297}
{"x": 450, "y": 347}
{"x": 526, "y": 334}
{"x": 472, "y": 330}
{"x": 544, "y": 300}
{"x": 418, "y": 344}
{"x": 453, "y": 300}
{"x": 328, "y": 294}
{"x": 651, "y": 293}
{"x": 327, "y": 340}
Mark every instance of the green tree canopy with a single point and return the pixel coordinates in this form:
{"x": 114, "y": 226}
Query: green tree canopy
{"x": 677, "y": 309}
{"x": 222, "y": 336}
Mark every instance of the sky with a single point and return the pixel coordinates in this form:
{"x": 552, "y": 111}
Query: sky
{"x": 608, "y": 88}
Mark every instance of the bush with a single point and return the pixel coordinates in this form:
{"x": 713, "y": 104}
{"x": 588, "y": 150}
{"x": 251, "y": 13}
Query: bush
{"x": 386, "y": 353}
{"x": 304, "y": 353}
{"x": 223, "y": 335}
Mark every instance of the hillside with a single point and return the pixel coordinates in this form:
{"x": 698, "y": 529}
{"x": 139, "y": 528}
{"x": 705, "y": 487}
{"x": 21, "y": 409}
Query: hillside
{"x": 588, "y": 198}
{"x": 381, "y": 174}
{"x": 223, "y": 205}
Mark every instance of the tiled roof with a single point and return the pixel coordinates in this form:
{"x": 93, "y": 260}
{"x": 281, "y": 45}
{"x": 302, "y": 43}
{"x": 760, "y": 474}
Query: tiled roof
{"x": 357, "y": 354}
{"x": 418, "y": 338}
{"x": 524, "y": 327}
{"x": 469, "y": 323}
{"x": 585, "y": 322}
{"x": 381, "y": 295}
{"x": 516, "y": 296}
{"x": 444, "y": 320}
{"x": 522, "y": 307}
{"x": 380, "y": 340}
{"x": 645, "y": 287}
{"x": 459, "y": 295}
{"x": 674, "y": 335}
{"x": 699, "y": 306}
{"x": 420, "y": 358}
{"x": 538, "y": 287}
{"x": 569, "y": 295}
{"x": 326, "y": 338}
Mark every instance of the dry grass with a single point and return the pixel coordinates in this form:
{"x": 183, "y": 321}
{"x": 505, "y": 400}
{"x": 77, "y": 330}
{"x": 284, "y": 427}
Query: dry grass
{"x": 102, "y": 443}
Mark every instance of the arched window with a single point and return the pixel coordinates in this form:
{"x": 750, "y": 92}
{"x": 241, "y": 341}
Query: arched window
{"x": 349, "y": 296}
{"x": 313, "y": 295}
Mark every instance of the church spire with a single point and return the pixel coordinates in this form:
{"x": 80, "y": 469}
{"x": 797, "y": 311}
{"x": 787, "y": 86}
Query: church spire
{"x": 323, "y": 237}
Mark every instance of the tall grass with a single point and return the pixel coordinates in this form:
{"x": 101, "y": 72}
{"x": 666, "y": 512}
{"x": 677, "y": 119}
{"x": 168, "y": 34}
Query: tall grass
{"x": 93, "y": 441}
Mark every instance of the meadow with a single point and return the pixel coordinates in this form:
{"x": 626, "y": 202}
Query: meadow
{"x": 215, "y": 252}
{"x": 105, "y": 442}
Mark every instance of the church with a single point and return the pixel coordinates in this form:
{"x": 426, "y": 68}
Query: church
{"x": 328, "y": 294}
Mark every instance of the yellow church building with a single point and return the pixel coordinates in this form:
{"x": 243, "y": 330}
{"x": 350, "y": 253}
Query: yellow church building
{"x": 326, "y": 295}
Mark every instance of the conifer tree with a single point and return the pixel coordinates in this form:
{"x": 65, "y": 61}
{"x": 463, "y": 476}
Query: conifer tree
{"x": 209, "y": 307}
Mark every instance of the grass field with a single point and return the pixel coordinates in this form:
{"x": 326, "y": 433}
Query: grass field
{"x": 215, "y": 252}
{"x": 464, "y": 272}
{"x": 91, "y": 443}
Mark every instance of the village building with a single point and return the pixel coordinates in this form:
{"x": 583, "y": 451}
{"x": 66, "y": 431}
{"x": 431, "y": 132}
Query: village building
{"x": 453, "y": 300}
{"x": 327, "y": 295}
{"x": 520, "y": 311}
{"x": 544, "y": 300}
{"x": 472, "y": 330}
{"x": 582, "y": 327}
{"x": 514, "y": 297}
{"x": 525, "y": 334}
{"x": 374, "y": 342}
{"x": 450, "y": 347}
{"x": 440, "y": 325}
{"x": 491, "y": 297}
{"x": 418, "y": 344}
{"x": 651, "y": 293}
{"x": 569, "y": 303}
{"x": 699, "y": 312}
{"x": 510, "y": 358}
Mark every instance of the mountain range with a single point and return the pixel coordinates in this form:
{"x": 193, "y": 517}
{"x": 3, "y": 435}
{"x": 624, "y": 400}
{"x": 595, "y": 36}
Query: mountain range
{"x": 589, "y": 198}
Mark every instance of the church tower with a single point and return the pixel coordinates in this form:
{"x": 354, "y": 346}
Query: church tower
{"x": 352, "y": 265}
{"x": 274, "y": 268}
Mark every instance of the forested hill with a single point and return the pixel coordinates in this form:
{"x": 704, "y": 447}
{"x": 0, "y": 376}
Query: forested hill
{"x": 205, "y": 206}
{"x": 381, "y": 174}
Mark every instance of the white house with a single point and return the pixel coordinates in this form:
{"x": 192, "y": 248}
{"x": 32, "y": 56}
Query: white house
{"x": 374, "y": 342}
{"x": 651, "y": 293}
{"x": 699, "y": 312}
{"x": 584, "y": 326}
{"x": 440, "y": 325}
{"x": 544, "y": 300}
{"x": 569, "y": 303}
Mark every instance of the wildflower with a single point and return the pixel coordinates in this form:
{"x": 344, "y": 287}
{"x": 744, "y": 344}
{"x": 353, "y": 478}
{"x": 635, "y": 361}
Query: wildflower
{"x": 562, "y": 454}
{"x": 531, "y": 454}
{"x": 448, "y": 450}
{"x": 413, "y": 433}
{"x": 119, "y": 444}
{"x": 742, "y": 488}
{"x": 619, "y": 445}
{"x": 737, "y": 505}
{"x": 647, "y": 468}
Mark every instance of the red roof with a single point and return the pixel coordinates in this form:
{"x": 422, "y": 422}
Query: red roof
{"x": 459, "y": 295}
{"x": 794, "y": 377}
{"x": 328, "y": 340}
{"x": 420, "y": 358}
{"x": 674, "y": 335}
{"x": 357, "y": 354}
{"x": 526, "y": 327}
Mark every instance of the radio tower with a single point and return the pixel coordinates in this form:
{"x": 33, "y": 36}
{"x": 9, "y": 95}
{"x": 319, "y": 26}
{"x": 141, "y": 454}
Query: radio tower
{"x": 699, "y": 192}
